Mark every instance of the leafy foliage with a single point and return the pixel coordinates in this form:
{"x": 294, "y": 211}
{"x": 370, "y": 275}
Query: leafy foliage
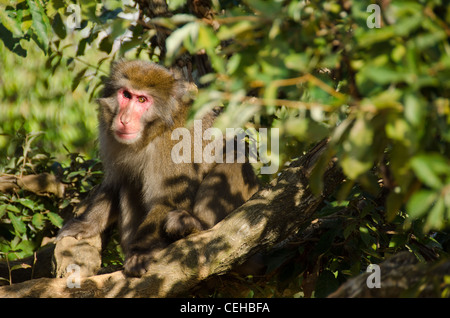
{"x": 314, "y": 69}
{"x": 34, "y": 98}
{"x": 27, "y": 218}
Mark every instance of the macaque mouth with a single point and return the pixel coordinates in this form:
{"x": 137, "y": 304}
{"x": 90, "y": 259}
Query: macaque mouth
{"x": 126, "y": 135}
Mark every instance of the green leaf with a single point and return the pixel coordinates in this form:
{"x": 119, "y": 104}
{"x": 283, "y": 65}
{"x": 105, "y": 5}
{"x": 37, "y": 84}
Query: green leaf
{"x": 65, "y": 204}
{"x": 386, "y": 75}
{"x": 76, "y": 173}
{"x": 18, "y": 224}
{"x": 349, "y": 230}
{"x": 420, "y": 203}
{"x": 112, "y": 4}
{"x": 59, "y": 27}
{"x": 298, "y": 62}
{"x": 10, "y": 24}
{"x": 428, "y": 167}
{"x": 186, "y": 35}
{"x": 398, "y": 240}
{"x": 316, "y": 178}
{"x": 12, "y": 208}
{"x": 77, "y": 79}
{"x": 426, "y": 40}
{"x": 435, "y": 218}
{"x": 129, "y": 45}
{"x": 207, "y": 39}
{"x": 89, "y": 10}
{"x": 2, "y": 210}
{"x": 106, "y": 44}
{"x": 414, "y": 110}
{"x": 394, "y": 202}
{"x": 365, "y": 236}
{"x": 20, "y": 266}
{"x": 357, "y": 153}
{"x": 238, "y": 29}
{"x": 387, "y": 99}
{"x": 55, "y": 219}
{"x": 26, "y": 248}
{"x": 399, "y": 129}
{"x": 175, "y": 4}
{"x": 38, "y": 220}
{"x": 367, "y": 39}
{"x": 406, "y": 26}
{"x": 119, "y": 27}
{"x": 82, "y": 46}
{"x": 27, "y": 203}
{"x": 41, "y": 24}
{"x": 267, "y": 8}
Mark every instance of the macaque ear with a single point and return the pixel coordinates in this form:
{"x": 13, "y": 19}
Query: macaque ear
{"x": 115, "y": 65}
{"x": 181, "y": 94}
{"x": 111, "y": 82}
{"x": 186, "y": 89}
{"x": 191, "y": 91}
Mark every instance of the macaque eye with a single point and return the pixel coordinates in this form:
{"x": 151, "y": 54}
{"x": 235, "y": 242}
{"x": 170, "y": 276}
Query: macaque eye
{"x": 126, "y": 94}
{"x": 142, "y": 99}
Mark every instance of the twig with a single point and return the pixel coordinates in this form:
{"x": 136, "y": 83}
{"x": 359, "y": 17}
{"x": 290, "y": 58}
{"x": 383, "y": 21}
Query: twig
{"x": 280, "y": 102}
{"x": 299, "y": 80}
{"x": 253, "y": 18}
{"x": 9, "y": 269}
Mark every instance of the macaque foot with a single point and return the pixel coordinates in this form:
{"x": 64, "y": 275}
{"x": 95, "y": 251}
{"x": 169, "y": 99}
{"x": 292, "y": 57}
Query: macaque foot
{"x": 137, "y": 264}
{"x": 180, "y": 223}
{"x": 75, "y": 228}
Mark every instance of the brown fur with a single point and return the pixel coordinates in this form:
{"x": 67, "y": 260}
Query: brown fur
{"x": 155, "y": 200}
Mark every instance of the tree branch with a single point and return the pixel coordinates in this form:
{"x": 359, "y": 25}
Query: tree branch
{"x": 40, "y": 184}
{"x": 401, "y": 275}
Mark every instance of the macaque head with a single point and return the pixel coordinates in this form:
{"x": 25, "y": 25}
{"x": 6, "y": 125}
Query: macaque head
{"x": 138, "y": 96}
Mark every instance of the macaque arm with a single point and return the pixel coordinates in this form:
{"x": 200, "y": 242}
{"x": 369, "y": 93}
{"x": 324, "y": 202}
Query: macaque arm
{"x": 96, "y": 213}
{"x": 141, "y": 247}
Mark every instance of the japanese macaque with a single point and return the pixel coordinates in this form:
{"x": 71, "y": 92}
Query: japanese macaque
{"x": 154, "y": 200}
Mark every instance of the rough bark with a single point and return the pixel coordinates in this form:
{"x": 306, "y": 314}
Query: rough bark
{"x": 270, "y": 216}
{"x": 86, "y": 253}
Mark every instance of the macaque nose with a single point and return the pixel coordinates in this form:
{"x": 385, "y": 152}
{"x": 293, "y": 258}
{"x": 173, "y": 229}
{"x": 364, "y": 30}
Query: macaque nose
{"x": 124, "y": 120}
{"x": 126, "y": 117}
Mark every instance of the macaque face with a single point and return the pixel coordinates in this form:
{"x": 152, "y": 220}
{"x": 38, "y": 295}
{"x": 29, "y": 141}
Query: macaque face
{"x": 139, "y": 102}
{"x": 133, "y": 108}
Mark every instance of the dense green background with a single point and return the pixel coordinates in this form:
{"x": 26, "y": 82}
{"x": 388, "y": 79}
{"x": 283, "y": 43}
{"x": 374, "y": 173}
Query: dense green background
{"x": 313, "y": 69}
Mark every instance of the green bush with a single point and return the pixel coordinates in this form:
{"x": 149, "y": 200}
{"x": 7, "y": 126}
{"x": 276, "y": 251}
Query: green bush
{"x": 28, "y": 217}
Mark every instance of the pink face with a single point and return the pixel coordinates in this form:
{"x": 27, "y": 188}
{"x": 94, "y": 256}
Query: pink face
{"x": 132, "y": 106}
